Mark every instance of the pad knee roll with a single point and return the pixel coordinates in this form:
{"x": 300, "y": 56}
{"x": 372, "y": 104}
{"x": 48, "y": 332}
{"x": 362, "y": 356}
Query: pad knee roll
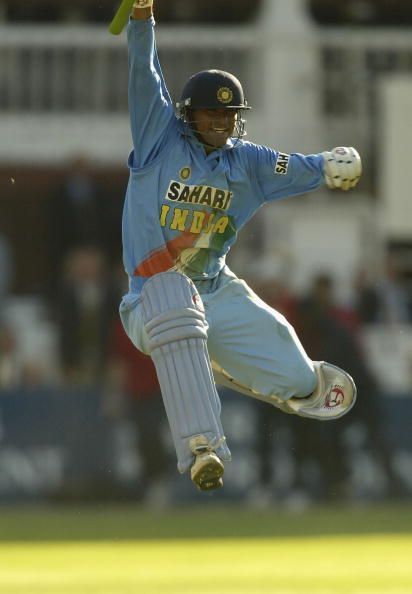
{"x": 172, "y": 308}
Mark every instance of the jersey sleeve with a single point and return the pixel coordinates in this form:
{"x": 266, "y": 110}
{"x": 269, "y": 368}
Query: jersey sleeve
{"x": 280, "y": 175}
{"x": 150, "y": 106}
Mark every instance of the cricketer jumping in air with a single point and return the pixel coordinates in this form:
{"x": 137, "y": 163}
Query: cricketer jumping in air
{"x": 194, "y": 183}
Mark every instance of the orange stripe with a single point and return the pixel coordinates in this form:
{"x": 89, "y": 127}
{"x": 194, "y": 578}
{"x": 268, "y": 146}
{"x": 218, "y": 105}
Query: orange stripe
{"x": 164, "y": 258}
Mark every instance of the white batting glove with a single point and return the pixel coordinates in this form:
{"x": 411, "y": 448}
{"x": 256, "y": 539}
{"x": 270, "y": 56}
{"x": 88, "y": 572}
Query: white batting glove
{"x": 342, "y": 167}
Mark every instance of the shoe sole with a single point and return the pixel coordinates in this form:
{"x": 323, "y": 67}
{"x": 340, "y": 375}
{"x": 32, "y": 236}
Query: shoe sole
{"x": 209, "y": 476}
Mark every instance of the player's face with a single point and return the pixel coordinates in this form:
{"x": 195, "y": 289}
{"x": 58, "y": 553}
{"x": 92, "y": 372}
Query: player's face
{"x": 214, "y": 126}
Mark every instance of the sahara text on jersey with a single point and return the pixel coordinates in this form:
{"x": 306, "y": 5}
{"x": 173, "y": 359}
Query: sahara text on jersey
{"x": 205, "y": 195}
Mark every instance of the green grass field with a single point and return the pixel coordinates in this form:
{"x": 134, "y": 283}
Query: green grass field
{"x": 206, "y": 550}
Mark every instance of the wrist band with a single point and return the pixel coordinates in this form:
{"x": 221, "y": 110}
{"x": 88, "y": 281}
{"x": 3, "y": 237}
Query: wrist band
{"x": 142, "y": 3}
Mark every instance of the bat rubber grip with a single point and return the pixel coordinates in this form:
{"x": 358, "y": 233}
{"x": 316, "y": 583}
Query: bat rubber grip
{"x": 121, "y": 17}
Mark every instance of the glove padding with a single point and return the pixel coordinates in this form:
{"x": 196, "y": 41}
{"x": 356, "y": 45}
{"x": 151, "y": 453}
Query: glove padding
{"x": 342, "y": 167}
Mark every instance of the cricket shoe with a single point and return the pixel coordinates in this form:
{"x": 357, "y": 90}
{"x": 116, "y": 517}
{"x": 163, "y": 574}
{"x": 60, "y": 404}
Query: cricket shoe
{"x": 207, "y": 469}
{"x": 333, "y": 397}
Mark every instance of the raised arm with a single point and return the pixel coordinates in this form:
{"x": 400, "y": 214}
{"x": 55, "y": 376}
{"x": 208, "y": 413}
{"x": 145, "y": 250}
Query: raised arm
{"x": 142, "y": 10}
{"x": 150, "y": 106}
{"x": 280, "y": 175}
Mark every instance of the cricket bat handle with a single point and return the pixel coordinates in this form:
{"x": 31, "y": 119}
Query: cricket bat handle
{"x": 121, "y": 17}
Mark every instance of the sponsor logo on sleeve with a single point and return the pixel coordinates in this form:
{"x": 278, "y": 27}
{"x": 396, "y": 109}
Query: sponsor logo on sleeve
{"x": 282, "y": 164}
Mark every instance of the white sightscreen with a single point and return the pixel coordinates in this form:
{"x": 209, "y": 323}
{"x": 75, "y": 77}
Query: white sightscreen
{"x": 395, "y": 157}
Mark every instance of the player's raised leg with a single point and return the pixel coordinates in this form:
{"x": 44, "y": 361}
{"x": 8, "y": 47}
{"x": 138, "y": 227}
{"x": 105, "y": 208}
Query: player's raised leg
{"x": 177, "y": 330}
{"x": 333, "y": 397}
{"x": 256, "y": 351}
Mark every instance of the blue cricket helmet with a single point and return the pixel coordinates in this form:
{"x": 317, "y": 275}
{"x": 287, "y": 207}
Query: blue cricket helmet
{"x": 212, "y": 89}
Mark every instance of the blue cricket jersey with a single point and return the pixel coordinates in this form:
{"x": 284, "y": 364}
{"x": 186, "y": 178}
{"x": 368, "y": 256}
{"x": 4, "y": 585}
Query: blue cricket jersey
{"x": 183, "y": 208}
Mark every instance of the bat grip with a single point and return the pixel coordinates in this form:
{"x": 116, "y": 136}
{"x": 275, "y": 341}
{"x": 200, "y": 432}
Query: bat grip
{"x": 121, "y": 17}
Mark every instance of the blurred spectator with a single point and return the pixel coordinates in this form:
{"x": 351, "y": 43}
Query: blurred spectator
{"x": 321, "y": 300}
{"x": 6, "y": 268}
{"x": 9, "y": 364}
{"x": 329, "y": 332}
{"x": 75, "y": 214}
{"x": 134, "y": 393}
{"x": 366, "y": 302}
{"x": 394, "y": 301}
{"x": 387, "y": 300}
{"x": 87, "y": 305}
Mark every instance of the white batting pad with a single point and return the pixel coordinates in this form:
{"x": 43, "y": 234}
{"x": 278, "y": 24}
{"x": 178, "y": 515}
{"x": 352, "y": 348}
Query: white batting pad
{"x": 175, "y": 323}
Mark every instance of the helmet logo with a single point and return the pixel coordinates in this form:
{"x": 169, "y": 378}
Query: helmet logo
{"x": 225, "y": 95}
{"x": 185, "y": 173}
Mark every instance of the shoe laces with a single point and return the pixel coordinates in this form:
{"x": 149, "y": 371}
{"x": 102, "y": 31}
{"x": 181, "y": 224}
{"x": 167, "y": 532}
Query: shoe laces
{"x": 204, "y": 445}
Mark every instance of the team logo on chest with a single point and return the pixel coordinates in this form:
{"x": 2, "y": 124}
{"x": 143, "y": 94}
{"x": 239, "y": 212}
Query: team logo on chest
{"x": 185, "y": 173}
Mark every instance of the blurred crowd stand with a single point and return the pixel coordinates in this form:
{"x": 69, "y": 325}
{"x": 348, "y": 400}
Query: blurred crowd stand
{"x": 364, "y": 12}
{"x": 387, "y": 299}
{"x": 85, "y": 310}
{"x": 103, "y": 10}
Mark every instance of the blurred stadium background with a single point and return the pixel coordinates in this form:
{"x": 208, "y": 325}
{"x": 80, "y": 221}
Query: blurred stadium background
{"x": 90, "y": 499}
{"x": 81, "y": 418}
